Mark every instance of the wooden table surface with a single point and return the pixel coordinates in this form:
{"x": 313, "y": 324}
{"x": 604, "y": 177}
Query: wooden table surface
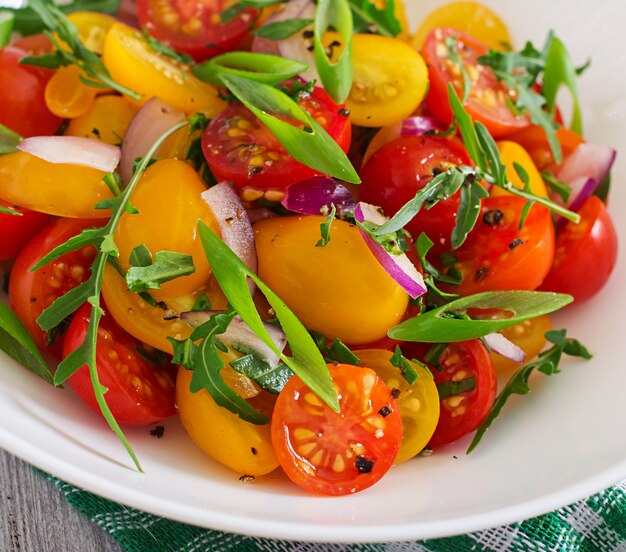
{"x": 34, "y": 515}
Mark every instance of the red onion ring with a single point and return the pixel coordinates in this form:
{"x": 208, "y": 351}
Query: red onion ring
{"x": 399, "y": 267}
{"x": 587, "y": 160}
{"x": 73, "y": 150}
{"x": 152, "y": 120}
{"x": 501, "y": 345}
{"x": 240, "y": 333}
{"x": 316, "y": 195}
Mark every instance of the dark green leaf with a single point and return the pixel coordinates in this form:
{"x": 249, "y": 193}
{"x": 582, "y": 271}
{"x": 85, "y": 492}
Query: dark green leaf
{"x": 423, "y": 246}
{"x": 65, "y": 305}
{"x": 340, "y": 352}
{"x": 266, "y": 377}
{"x": 434, "y": 353}
{"x": 8, "y": 140}
{"x": 280, "y": 30}
{"x": 184, "y": 352}
{"x": 466, "y": 127}
{"x": 602, "y": 191}
{"x": 238, "y": 8}
{"x": 436, "y": 326}
{"x": 312, "y": 147}
{"x": 265, "y": 68}
{"x": 467, "y": 213}
{"x": 232, "y": 274}
{"x": 16, "y": 342}
{"x": 368, "y": 16}
{"x": 140, "y": 256}
{"x": 336, "y": 76}
{"x": 450, "y": 388}
{"x": 114, "y": 183}
{"x": 325, "y": 227}
{"x": 556, "y": 186}
{"x": 202, "y": 303}
{"x": 406, "y": 370}
{"x": 491, "y": 154}
{"x": 168, "y": 265}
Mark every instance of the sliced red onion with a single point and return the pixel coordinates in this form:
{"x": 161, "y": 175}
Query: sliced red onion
{"x": 582, "y": 188}
{"x": 152, "y": 120}
{"x": 73, "y": 150}
{"x": 234, "y": 224}
{"x": 239, "y": 332}
{"x": 316, "y": 195}
{"x": 501, "y": 345}
{"x": 419, "y": 125}
{"x": 296, "y": 46}
{"x": 587, "y": 160}
{"x": 399, "y": 267}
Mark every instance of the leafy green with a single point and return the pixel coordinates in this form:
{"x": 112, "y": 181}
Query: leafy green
{"x": 325, "y": 227}
{"x": 281, "y": 30}
{"x": 468, "y": 212}
{"x": 271, "y": 379}
{"x": 75, "y": 53}
{"x": 264, "y": 68}
{"x": 335, "y": 76}
{"x": 311, "y": 144}
{"x": 450, "y": 388}
{"x": 7, "y": 19}
{"x": 232, "y": 275}
{"x": 369, "y": 17}
{"x": 202, "y": 303}
{"x": 238, "y": 7}
{"x": 399, "y": 361}
{"x": 441, "y": 325}
{"x": 163, "y": 49}
{"x": 547, "y": 363}
{"x": 556, "y": 186}
{"x": 8, "y": 140}
{"x": 9, "y": 211}
{"x": 16, "y": 342}
{"x": 602, "y": 191}
{"x": 338, "y": 351}
{"x": 455, "y": 57}
{"x": 167, "y": 266}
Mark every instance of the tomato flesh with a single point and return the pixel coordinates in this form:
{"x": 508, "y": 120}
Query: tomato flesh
{"x": 139, "y": 391}
{"x": 337, "y": 453}
{"x": 240, "y": 149}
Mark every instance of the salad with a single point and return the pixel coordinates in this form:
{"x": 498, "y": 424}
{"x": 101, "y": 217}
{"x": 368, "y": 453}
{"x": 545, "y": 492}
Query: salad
{"x": 314, "y": 237}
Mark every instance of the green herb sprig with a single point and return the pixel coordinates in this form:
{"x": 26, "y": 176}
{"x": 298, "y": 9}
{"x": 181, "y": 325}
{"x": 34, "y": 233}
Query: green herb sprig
{"x": 9, "y": 139}
{"x": 547, "y": 363}
{"x": 281, "y": 30}
{"x": 56, "y": 21}
{"x": 7, "y": 20}
{"x": 368, "y": 17}
{"x": 239, "y": 7}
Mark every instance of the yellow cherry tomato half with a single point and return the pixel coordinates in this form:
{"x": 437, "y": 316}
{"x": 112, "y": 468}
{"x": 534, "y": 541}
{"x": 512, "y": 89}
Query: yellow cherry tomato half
{"x": 529, "y": 336}
{"x": 512, "y": 153}
{"x": 418, "y": 402}
{"x": 92, "y": 28}
{"x": 339, "y": 290}
{"x": 390, "y": 80}
{"x": 54, "y": 188}
{"x": 239, "y": 445}
{"x": 135, "y": 64}
{"x": 169, "y": 203}
{"x": 66, "y": 95}
{"x": 107, "y": 120}
{"x": 469, "y": 17}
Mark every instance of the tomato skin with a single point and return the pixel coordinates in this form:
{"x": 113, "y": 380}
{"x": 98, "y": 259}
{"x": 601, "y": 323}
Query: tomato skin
{"x": 511, "y": 153}
{"x": 139, "y": 392}
{"x": 462, "y": 413}
{"x": 395, "y": 172}
{"x": 22, "y": 105}
{"x": 486, "y": 102}
{"x": 586, "y": 253}
{"x": 201, "y": 33}
{"x": 533, "y": 140}
{"x": 501, "y": 256}
{"x": 240, "y": 149}
{"x": 31, "y": 292}
{"x": 321, "y": 450}
{"x": 17, "y": 231}
{"x": 528, "y": 336}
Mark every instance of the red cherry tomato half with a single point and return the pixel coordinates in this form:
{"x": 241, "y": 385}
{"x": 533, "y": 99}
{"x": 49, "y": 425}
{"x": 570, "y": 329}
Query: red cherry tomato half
{"x": 460, "y": 413}
{"x": 16, "y": 231}
{"x": 337, "y": 453}
{"x": 498, "y": 254}
{"x": 585, "y": 253}
{"x": 392, "y": 176}
{"x": 31, "y": 292}
{"x": 193, "y": 27}
{"x": 240, "y": 149}
{"x": 22, "y": 105}
{"x": 488, "y": 101}
{"x": 139, "y": 391}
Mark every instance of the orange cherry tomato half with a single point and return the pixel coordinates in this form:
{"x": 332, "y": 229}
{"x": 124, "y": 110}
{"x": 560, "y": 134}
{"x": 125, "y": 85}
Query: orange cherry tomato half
{"x": 140, "y": 392}
{"x": 337, "y": 453}
{"x": 533, "y": 140}
{"x": 488, "y": 100}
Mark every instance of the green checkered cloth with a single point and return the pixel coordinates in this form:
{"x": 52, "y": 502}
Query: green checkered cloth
{"x": 597, "y": 524}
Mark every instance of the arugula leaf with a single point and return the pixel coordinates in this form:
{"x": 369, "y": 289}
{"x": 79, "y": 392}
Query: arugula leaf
{"x": 325, "y": 227}
{"x": 202, "y": 303}
{"x": 265, "y": 68}
{"x": 423, "y": 245}
{"x": 547, "y": 363}
{"x": 450, "y": 388}
{"x": 338, "y": 351}
{"x": 167, "y": 266}
{"x": 271, "y": 379}
{"x": 16, "y": 342}
{"x": 466, "y": 127}
{"x": 7, "y": 19}
{"x": 239, "y": 7}
{"x": 8, "y": 140}
{"x": 602, "y": 191}
{"x": 455, "y": 57}
{"x": 335, "y": 76}
{"x": 311, "y": 145}
{"x": 9, "y": 211}
{"x": 163, "y": 49}
{"x": 140, "y": 256}
{"x": 368, "y": 17}
{"x": 281, "y": 30}
{"x": 556, "y": 186}
{"x": 232, "y": 274}
{"x": 399, "y": 361}
{"x": 184, "y": 352}
{"x": 468, "y": 212}
{"x": 439, "y": 325}
{"x": 86, "y": 237}
{"x": 74, "y": 52}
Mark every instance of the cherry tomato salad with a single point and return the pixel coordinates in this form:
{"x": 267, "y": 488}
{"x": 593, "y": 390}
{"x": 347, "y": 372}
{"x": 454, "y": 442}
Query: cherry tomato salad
{"x": 315, "y": 236}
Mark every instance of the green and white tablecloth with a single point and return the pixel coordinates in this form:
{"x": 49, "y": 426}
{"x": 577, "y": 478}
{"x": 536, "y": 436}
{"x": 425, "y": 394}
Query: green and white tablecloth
{"x": 596, "y": 524}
